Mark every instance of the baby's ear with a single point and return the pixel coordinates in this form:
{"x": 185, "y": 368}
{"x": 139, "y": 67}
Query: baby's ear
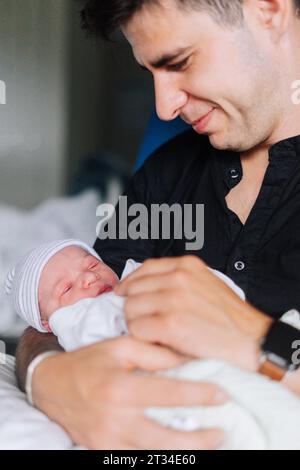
{"x": 46, "y": 325}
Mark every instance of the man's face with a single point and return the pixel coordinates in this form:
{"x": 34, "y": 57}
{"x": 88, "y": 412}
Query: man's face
{"x": 226, "y": 78}
{"x": 72, "y": 274}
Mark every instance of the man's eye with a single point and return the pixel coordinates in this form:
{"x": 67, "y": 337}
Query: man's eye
{"x": 178, "y": 66}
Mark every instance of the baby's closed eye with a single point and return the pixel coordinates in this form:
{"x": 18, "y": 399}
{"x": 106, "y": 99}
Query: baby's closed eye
{"x": 93, "y": 265}
{"x": 66, "y": 289}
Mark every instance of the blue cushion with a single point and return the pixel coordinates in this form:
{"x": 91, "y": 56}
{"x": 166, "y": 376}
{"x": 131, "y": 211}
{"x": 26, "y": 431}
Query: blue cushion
{"x": 157, "y": 133}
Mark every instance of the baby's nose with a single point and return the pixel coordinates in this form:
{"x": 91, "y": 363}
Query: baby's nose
{"x": 89, "y": 278}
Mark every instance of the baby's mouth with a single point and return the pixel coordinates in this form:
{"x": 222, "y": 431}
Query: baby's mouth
{"x": 105, "y": 289}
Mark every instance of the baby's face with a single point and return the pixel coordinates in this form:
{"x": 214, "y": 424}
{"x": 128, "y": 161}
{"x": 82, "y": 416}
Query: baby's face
{"x": 72, "y": 274}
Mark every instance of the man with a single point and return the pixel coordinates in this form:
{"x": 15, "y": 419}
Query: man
{"x": 226, "y": 67}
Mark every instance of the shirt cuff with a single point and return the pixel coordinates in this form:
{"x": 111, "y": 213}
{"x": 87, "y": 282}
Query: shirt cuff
{"x": 31, "y": 368}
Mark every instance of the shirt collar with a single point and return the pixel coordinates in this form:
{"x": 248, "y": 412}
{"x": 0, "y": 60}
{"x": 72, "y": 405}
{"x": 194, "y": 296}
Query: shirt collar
{"x": 285, "y": 148}
{"x": 228, "y": 170}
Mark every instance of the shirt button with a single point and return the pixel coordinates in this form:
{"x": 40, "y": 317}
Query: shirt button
{"x": 234, "y": 174}
{"x": 239, "y": 266}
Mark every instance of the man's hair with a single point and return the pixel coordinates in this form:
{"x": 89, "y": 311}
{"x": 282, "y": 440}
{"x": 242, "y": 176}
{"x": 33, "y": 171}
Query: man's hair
{"x": 103, "y": 17}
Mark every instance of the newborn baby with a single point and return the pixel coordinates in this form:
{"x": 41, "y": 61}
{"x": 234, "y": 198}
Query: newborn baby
{"x": 64, "y": 287}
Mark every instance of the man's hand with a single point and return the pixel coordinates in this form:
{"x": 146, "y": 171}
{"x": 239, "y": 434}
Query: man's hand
{"x": 96, "y": 396}
{"x": 180, "y": 303}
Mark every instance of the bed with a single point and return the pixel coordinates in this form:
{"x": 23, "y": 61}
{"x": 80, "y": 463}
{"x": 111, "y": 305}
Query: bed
{"x": 23, "y": 427}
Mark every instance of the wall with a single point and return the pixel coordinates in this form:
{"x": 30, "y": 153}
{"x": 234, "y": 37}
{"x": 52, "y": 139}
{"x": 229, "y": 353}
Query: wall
{"x": 34, "y": 47}
{"x": 67, "y": 96}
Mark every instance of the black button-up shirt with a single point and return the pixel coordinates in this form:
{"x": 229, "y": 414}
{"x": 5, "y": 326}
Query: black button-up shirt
{"x": 262, "y": 256}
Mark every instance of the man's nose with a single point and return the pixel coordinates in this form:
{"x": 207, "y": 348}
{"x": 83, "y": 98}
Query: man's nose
{"x": 169, "y": 98}
{"x": 88, "y": 278}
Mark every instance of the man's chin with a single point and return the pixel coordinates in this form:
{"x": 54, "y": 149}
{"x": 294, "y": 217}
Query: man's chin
{"x": 218, "y": 142}
{"x": 222, "y": 143}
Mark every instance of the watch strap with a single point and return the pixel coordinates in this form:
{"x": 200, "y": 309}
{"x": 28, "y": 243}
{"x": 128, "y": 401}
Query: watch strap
{"x": 277, "y": 350}
{"x": 271, "y": 370}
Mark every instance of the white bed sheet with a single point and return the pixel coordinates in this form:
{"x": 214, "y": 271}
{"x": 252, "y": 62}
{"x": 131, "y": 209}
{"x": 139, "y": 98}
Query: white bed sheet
{"x": 23, "y": 427}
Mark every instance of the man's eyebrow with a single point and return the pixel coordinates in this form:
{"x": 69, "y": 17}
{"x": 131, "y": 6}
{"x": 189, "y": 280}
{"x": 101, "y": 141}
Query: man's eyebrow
{"x": 165, "y": 59}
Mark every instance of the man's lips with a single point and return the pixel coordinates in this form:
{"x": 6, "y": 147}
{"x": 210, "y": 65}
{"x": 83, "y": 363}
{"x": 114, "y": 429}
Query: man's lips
{"x": 201, "y": 124}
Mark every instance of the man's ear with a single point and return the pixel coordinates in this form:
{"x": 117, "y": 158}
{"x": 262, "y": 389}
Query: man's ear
{"x": 273, "y": 14}
{"x": 46, "y": 325}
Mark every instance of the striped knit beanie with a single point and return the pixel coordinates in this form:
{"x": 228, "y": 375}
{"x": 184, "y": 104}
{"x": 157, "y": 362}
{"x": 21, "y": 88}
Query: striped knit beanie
{"x": 22, "y": 281}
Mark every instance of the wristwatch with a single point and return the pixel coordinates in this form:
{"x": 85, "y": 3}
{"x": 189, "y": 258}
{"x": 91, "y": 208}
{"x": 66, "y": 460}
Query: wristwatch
{"x": 279, "y": 348}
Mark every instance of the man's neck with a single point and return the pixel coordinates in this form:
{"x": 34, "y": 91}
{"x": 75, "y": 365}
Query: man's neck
{"x": 255, "y": 162}
{"x": 242, "y": 197}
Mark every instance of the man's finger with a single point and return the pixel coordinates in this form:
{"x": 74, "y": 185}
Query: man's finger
{"x": 151, "y": 435}
{"x": 145, "y": 284}
{"x": 153, "y": 266}
{"x": 168, "y": 332}
{"x": 137, "y": 354}
{"x": 151, "y": 329}
{"x": 154, "y": 329}
{"x": 148, "y": 304}
{"x": 153, "y": 390}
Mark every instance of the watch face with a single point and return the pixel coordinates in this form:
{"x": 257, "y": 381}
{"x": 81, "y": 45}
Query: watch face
{"x": 279, "y": 345}
{"x": 279, "y": 361}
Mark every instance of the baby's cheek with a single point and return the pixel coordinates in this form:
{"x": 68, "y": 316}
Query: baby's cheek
{"x": 115, "y": 281}
{"x": 76, "y": 295}
{"x": 112, "y": 278}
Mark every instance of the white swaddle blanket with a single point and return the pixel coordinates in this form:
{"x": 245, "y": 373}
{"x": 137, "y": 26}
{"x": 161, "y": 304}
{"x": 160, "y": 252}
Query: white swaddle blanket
{"x": 261, "y": 414}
